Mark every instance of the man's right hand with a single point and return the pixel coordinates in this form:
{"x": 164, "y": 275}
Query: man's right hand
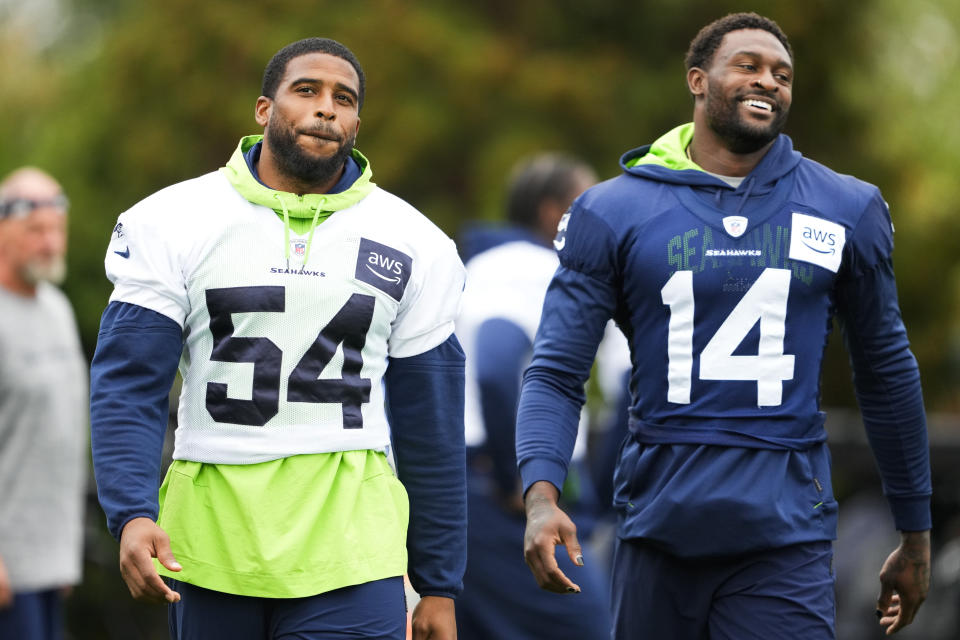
{"x": 547, "y": 527}
{"x": 6, "y": 593}
{"x": 140, "y": 541}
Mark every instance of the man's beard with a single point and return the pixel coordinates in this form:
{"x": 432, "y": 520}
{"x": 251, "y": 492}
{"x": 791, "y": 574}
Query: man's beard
{"x": 724, "y": 118}
{"x": 295, "y": 163}
{"x": 38, "y": 270}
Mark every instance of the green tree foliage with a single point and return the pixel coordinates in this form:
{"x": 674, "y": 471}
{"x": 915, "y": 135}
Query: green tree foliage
{"x": 905, "y": 89}
{"x": 126, "y": 98}
{"x": 118, "y": 99}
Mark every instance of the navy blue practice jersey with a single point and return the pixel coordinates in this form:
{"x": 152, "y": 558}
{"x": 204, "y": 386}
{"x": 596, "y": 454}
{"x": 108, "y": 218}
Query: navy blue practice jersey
{"x": 726, "y": 293}
{"x": 727, "y": 313}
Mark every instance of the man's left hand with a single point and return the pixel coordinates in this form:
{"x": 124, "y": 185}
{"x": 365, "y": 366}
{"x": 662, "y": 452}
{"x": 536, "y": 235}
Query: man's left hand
{"x": 904, "y": 581}
{"x": 434, "y": 619}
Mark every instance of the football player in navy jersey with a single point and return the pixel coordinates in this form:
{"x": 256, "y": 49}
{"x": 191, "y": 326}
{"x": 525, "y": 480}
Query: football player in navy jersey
{"x": 723, "y": 255}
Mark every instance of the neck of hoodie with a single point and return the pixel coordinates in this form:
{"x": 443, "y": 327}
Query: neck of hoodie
{"x": 715, "y": 158}
{"x": 763, "y": 188}
{"x": 349, "y": 174}
{"x": 301, "y": 213}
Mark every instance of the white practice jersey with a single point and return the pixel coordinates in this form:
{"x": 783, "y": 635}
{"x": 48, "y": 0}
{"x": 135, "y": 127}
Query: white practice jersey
{"x": 281, "y": 357}
{"x": 507, "y": 282}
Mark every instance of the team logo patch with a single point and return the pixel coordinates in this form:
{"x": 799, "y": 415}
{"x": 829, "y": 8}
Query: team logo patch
{"x": 735, "y": 225}
{"x": 383, "y": 267}
{"x": 817, "y": 241}
{"x": 561, "y": 240}
{"x": 298, "y": 247}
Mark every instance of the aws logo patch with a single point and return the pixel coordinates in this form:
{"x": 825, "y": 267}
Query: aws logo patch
{"x": 383, "y": 267}
{"x": 817, "y": 241}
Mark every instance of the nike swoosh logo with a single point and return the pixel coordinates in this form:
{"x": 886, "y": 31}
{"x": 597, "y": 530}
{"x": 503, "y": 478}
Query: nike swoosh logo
{"x": 123, "y": 254}
{"x": 393, "y": 280}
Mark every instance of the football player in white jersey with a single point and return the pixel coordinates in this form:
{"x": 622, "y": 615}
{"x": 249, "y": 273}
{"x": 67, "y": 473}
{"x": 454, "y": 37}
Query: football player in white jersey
{"x": 506, "y": 283}
{"x": 303, "y": 305}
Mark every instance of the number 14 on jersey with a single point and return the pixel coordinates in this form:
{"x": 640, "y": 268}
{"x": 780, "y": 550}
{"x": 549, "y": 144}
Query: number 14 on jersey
{"x": 766, "y": 302}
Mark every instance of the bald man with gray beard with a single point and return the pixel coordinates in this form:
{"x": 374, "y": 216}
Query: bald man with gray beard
{"x": 43, "y": 406}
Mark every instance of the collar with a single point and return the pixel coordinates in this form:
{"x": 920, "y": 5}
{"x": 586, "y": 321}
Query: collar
{"x": 244, "y": 180}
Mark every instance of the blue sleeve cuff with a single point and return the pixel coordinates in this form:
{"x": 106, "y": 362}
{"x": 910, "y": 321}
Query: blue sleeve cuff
{"x": 452, "y": 594}
{"x": 911, "y": 514}
{"x": 537, "y": 469}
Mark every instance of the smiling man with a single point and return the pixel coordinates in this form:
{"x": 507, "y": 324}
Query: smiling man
{"x": 723, "y": 255}
{"x": 304, "y": 305}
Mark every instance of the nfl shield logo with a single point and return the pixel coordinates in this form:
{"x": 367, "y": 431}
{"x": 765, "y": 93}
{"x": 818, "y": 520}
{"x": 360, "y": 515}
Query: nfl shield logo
{"x": 735, "y": 225}
{"x": 299, "y": 247}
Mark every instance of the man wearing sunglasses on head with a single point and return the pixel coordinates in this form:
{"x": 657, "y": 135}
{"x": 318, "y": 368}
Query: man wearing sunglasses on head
{"x": 43, "y": 389}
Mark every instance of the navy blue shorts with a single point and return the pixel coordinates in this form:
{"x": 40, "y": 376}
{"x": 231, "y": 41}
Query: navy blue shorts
{"x": 36, "y": 615}
{"x": 779, "y": 593}
{"x": 374, "y": 610}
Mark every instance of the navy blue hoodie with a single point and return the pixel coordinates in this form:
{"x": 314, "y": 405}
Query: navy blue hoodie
{"x": 726, "y": 295}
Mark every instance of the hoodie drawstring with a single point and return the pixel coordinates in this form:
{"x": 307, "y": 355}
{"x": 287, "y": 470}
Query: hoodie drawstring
{"x": 286, "y": 228}
{"x": 747, "y": 186}
{"x": 313, "y": 227}
{"x": 746, "y": 194}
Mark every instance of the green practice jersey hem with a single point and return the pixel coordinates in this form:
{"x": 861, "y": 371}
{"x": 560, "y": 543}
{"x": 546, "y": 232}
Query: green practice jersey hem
{"x": 299, "y": 585}
{"x": 286, "y": 528}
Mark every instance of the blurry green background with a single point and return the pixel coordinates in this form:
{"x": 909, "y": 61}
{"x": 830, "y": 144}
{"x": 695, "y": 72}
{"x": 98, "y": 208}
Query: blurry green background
{"x": 117, "y": 99}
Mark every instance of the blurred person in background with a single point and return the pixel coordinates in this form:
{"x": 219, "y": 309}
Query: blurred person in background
{"x": 306, "y": 307}
{"x": 506, "y": 283}
{"x": 724, "y": 254}
{"x": 43, "y": 411}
